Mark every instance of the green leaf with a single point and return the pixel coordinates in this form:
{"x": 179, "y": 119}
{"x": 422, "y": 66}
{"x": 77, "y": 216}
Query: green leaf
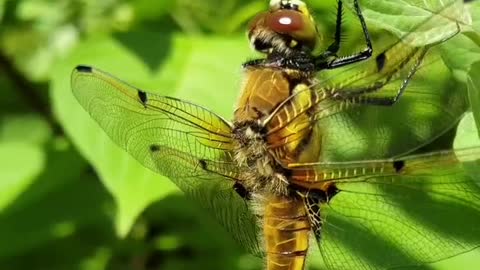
{"x": 60, "y": 214}
{"x": 146, "y": 9}
{"x": 48, "y": 188}
{"x": 179, "y": 66}
{"x": 14, "y": 181}
{"x": 473, "y": 84}
{"x": 53, "y": 223}
{"x": 17, "y": 128}
{"x": 186, "y": 228}
{"x": 475, "y": 9}
{"x": 58, "y": 154}
{"x": 459, "y": 54}
{"x": 467, "y": 134}
{"x": 2, "y": 9}
{"x": 241, "y": 16}
{"x": 419, "y": 17}
{"x": 20, "y": 147}
{"x": 463, "y": 261}
{"x": 215, "y": 16}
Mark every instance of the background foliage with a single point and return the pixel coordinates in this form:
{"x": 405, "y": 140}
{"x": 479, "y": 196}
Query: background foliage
{"x": 69, "y": 198}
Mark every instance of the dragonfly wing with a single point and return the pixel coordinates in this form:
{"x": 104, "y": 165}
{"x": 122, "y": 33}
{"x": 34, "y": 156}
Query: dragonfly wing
{"x": 139, "y": 122}
{"x": 407, "y": 51}
{"x": 396, "y": 227}
{"x": 215, "y": 193}
{"x": 431, "y": 102}
{"x": 431, "y": 105}
{"x": 399, "y": 212}
{"x": 183, "y": 141}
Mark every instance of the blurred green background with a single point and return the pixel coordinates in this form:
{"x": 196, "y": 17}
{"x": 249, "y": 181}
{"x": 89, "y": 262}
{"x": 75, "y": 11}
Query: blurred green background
{"x": 69, "y": 198}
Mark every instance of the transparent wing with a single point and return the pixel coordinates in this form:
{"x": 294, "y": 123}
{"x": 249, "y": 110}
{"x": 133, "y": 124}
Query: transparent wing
{"x": 396, "y": 212}
{"x": 403, "y": 54}
{"x": 431, "y": 104}
{"x": 183, "y": 141}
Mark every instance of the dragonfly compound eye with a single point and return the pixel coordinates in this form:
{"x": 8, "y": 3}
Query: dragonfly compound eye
{"x": 295, "y": 24}
{"x": 284, "y": 28}
{"x": 286, "y": 21}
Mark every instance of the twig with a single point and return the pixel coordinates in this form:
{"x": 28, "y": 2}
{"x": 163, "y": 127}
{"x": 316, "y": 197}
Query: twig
{"x": 28, "y": 92}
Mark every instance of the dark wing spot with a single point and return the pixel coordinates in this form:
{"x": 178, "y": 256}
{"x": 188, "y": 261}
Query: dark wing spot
{"x": 242, "y": 191}
{"x": 398, "y": 165}
{"x": 154, "y": 148}
{"x": 323, "y": 196}
{"x": 203, "y": 164}
{"x": 332, "y": 190}
{"x": 381, "y": 59}
{"x": 85, "y": 69}
{"x": 143, "y": 97}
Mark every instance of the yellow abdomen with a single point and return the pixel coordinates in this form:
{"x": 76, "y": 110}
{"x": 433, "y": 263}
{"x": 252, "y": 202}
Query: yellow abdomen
{"x": 286, "y": 230}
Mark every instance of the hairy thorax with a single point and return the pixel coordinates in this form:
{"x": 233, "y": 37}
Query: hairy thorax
{"x": 264, "y": 90}
{"x": 262, "y": 173}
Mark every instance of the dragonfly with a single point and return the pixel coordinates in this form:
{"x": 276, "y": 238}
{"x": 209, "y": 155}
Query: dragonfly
{"x": 267, "y": 177}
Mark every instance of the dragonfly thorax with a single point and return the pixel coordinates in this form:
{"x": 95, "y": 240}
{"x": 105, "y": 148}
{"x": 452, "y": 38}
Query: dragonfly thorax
{"x": 260, "y": 150}
{"x": 261, "y": 172}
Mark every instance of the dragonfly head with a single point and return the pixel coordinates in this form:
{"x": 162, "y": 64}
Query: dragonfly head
{"x": 286, "y": 28}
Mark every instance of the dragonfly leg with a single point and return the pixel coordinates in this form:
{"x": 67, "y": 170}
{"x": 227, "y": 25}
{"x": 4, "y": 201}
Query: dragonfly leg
{"x": 254, "y": 63}
{"x": 360, "y": 96}
{"x": 335, "y": 46}
{"x": 388, "y": 101}
{"x": 324, "y": 61}
{"x": 298, "y": 62}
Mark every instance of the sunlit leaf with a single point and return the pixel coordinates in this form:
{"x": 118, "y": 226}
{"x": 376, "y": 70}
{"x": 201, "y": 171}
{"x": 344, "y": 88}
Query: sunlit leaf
{"x": 459, "y": 54}
{"x": 473, "y": 84}
{"x": 438, "y": 18}
{"x": 14, "y": 181}
{"x": 467, "y": 136}
{"x": 18, "y": 128}
{"x": 475, "y": 9}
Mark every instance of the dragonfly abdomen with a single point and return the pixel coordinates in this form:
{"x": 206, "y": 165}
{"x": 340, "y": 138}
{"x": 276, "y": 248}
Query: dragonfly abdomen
{"x": 286, "y": 232}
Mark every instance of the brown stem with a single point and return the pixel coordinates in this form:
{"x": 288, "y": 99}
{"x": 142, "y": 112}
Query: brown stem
{"x": 28, "y": 92}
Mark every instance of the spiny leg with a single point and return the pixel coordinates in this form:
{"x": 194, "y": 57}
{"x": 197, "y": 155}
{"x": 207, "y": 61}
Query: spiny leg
{"x": 321, "y": 61}
{"x": 335, "y": 46}
{"x": 360, "y": 94}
